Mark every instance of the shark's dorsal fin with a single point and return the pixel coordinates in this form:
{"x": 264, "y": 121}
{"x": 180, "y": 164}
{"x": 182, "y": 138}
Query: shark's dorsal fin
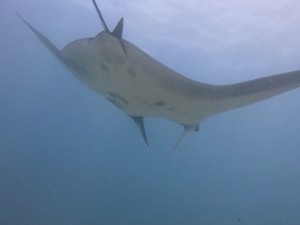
{"x": 139, "y": 121}
{"x": 118, "y": 31}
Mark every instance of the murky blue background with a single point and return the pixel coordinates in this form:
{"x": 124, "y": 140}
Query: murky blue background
{"x": 69, "y": 157}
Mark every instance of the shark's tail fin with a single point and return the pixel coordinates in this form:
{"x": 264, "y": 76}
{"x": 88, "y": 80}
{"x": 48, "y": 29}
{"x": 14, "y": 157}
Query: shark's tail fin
{"x": 245, "y": 93}
{"x": 52, "y": 48}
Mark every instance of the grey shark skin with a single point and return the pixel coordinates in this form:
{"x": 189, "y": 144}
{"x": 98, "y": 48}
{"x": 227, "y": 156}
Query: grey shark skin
{"x": 141, "y": 86}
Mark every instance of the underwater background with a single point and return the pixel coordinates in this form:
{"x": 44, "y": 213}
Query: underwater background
{"x": 69, "y": 157}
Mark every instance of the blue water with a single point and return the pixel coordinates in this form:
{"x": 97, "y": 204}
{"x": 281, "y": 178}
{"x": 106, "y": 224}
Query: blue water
{"x": 69, "y": 157}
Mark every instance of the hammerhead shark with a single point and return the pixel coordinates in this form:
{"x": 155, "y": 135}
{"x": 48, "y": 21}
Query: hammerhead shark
{"x": 141, "y": 86}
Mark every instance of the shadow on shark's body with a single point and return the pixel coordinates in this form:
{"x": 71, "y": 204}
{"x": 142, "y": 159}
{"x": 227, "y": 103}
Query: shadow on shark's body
{"x": 141, "y": 86}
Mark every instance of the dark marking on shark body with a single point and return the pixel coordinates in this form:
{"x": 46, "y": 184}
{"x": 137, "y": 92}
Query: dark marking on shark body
{"x": 104, "y": 67}
{"x": 131, "y": 72}
{"x": 160, "y": 103}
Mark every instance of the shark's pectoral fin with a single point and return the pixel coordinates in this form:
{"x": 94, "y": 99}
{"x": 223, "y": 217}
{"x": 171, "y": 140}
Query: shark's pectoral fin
{"x": 55, "y": 51}
{"x": 186, "y": 130}
{"x": 139, "y": 121}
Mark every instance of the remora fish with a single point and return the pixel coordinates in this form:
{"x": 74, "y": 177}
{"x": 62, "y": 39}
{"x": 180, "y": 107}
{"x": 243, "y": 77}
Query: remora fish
{"x": 141, "y": 86}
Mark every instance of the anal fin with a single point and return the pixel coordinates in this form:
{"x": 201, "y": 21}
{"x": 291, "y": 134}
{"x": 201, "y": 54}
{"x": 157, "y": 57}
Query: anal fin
{"x": 186, "y": 131}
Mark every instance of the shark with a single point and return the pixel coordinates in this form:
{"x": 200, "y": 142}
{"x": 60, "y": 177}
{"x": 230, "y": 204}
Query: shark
{"x": 141, "y": 86}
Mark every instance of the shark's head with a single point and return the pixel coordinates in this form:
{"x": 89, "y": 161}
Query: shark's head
{"x": 107, "y": 48}
{"x": 94, "y": 60}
